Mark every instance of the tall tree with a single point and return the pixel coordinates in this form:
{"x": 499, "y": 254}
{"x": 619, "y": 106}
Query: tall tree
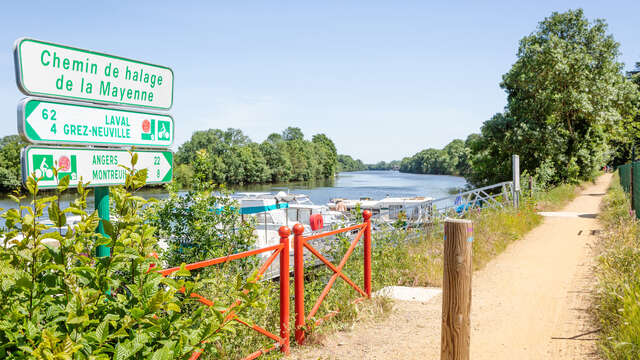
{"x": 292, "y": 133}
{"x": 10, "y": 147}
{"x": 566, "y": 96}
{"x": 327, "y": 154}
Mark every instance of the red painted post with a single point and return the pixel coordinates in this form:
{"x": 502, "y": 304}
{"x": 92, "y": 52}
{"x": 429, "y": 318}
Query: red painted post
{"x": 367, "y": 252}
{"x": 284, "y": 288}
{"x": 298, "y": 278}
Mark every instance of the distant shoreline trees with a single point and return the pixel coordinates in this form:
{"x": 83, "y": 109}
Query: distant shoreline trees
{"x": 347, "y": 164}
{"x": 230, "y": 157}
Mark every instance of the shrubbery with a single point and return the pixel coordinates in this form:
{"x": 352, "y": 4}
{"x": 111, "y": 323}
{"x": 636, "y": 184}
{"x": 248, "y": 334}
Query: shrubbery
{"x": 61, "y": 301}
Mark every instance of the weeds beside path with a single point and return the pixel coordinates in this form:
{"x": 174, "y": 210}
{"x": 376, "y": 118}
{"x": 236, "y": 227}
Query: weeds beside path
{"x": 530, "y": 302}
{"x": 618, "y": 292}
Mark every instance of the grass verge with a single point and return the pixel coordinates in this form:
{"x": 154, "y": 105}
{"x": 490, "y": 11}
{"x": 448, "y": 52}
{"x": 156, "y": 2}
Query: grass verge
{"x": 617, "y": 304}
{"x": 557, "y": 197}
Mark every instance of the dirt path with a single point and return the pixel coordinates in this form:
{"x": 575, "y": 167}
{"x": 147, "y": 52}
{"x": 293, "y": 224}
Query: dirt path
{"x": 530, "y": 302}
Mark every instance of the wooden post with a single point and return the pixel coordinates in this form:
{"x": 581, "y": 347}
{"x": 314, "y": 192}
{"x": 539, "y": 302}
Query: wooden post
{"x": 456, "y": 289}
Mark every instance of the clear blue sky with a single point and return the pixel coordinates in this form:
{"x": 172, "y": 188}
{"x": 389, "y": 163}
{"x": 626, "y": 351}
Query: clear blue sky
{"x": 383, "y": 79}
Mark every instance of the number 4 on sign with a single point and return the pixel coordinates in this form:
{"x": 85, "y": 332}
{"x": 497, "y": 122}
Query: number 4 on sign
{"x": 45, "y": 116}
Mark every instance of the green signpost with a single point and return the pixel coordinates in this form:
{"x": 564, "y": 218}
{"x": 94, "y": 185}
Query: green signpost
{"x": 59, "y": 71}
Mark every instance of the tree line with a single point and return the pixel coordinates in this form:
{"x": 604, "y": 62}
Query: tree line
{"x": 230, "y": 157}
{"x": 570, "y": 110}
{"x": 453, "y": 159}
{"x": 347, "y": 163}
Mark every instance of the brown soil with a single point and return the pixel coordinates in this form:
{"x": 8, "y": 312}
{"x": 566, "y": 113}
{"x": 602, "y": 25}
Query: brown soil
{"x": 530, "y": 302}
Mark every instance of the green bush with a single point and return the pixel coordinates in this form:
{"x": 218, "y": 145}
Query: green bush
{"x": 203, "y": 223}
{"x": 60, "y": 301}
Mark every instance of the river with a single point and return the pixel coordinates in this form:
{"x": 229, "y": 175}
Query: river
{"x": 348, "y": 185}
{"x": 373, "y": 184}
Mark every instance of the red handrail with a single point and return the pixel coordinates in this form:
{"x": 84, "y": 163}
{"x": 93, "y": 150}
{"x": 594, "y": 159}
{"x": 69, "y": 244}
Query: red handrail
{"x": 301, "y": 242}
{"x": 280, "y": 250}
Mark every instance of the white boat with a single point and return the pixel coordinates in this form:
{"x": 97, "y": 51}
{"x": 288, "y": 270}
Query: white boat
{"x": 415, "y": 208}
{"x": 271, "y": 211}
{"x": 283, "y": 209}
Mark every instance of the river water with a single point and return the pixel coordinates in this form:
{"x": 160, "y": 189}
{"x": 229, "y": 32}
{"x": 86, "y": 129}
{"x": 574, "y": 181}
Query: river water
{"x": 373, "y": 184}
{"x": 348, "y": 185}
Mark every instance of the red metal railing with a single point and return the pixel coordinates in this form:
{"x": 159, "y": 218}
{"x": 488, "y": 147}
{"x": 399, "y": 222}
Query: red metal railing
{"x": 280, "y": 250}
{"x": 301, "y": 242}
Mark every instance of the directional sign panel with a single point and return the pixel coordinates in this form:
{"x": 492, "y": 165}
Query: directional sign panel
{"x": 49, "y": 69}
{"x": 98, "y": 166}
{"x": 42, "y": 121}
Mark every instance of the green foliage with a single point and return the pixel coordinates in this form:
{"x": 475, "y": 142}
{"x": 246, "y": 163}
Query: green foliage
{"x": 555, "y": 198}
{"x": 453, "y": 159}
{"x": 568, "y": 102}
{"x": 203, "y": 223}
{"x": 630, "y": 131}
{"x": 347, "y": 163}
{"x": 10, "y": 162}
{"x": 383, "y": 165}
{"x": 183, "y": 175}
{"x": 60, "y": 301}
{"x": 229, "y": 157}
{"x": 618, "y": 291}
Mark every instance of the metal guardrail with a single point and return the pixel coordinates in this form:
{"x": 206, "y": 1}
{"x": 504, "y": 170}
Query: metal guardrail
{"x": 492, "y": 196}
{"x": 477, "y": 198}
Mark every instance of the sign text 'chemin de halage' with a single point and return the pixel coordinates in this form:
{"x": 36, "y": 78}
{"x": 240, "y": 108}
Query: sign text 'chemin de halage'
{"x": 97, "y": 166}
{"x": 43, "y": 121}
{"x": 49, "y": 69}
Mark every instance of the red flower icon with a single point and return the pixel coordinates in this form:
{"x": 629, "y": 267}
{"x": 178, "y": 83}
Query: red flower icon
{"x": 64, "y": 163}
{"x": 146, "y": 126}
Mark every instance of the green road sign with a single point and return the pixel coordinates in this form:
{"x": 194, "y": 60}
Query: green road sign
{"x": 97, "y": 166}
{"x": 42, "y": 121}
{"x": 53, "y": 70}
